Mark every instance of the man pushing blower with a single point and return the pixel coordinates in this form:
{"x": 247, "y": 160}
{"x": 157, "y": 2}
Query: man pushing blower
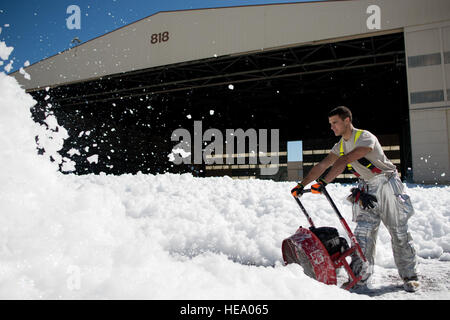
{"x": 379, "y": 196}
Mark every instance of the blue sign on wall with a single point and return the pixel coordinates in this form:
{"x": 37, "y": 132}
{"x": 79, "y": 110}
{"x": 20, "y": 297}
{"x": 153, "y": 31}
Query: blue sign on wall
{"x": 295, "y": 151}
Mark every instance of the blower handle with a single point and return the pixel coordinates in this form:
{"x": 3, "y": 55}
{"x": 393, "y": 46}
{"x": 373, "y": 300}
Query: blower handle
{"x": 311, "y": 223}
{"x": 345, "y": 225}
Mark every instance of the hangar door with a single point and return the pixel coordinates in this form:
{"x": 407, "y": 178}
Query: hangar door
{"x": 427, "y": 49}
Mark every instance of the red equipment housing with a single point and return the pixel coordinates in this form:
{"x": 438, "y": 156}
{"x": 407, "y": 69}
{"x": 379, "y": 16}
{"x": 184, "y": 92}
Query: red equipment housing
{"x": 306, "y": 249}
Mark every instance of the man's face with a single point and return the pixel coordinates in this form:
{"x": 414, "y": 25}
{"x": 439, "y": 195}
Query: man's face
{"x": 338, "y": 125}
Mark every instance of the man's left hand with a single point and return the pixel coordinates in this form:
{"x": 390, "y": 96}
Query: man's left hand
{"x": 319, "y": 186}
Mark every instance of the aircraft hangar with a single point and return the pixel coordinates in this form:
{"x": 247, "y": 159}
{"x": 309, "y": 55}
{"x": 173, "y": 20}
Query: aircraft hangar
{"x": 278, "y": 67}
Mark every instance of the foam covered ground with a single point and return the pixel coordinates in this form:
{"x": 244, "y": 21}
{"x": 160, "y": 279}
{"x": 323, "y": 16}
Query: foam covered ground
{"x": 171, "y": 236}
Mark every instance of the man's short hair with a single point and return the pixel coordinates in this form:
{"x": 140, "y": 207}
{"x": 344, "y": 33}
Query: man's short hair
{"x": 342, "y": 112}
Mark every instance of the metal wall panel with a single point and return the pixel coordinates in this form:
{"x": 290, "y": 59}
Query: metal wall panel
{"x": 446, "y": 39}
{"x": 201, "y": 34}
{"x": 426, "y": 78}
{"x": 429, "y": 40}
{"x": 428, "y": 101}
{"x": 430, "y": 145}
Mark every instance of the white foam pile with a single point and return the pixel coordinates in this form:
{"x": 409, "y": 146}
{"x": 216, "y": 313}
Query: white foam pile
{"x": 164, "y": 236}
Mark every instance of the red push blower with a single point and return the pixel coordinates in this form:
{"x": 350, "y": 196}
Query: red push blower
{"x": 320, "y": 251}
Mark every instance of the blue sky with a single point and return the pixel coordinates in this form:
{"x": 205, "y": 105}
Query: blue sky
{"x": 37, "y": 28}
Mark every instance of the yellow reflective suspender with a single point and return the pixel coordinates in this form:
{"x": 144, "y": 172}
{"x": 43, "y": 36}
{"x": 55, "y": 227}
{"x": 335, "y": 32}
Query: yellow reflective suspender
{"x": 341, "y": 151}
{"x": 363, "y": 161}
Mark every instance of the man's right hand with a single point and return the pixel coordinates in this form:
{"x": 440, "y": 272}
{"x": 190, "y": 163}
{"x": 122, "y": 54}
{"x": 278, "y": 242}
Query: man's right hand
{"x": 298, "y": 190}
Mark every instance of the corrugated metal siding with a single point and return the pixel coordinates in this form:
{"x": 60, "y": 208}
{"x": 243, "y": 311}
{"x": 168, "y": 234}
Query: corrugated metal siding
{"x": 428, "y": 75}
{"x": 200, "y": 34}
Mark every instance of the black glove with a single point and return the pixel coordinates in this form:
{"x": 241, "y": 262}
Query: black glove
{"x": 367, "y": 200}
{"x": 319, "y": 186}
{"x": 298, "y": 190}
{"x": 364, "y": 199}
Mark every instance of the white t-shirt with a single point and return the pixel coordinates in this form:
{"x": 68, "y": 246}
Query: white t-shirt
{"x": 376, "y": 156}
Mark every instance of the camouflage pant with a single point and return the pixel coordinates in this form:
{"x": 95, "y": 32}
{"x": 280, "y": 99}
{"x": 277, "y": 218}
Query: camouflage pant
{"x": 394, "y": 208}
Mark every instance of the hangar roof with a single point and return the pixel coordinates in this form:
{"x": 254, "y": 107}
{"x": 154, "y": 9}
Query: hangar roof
{"x": 174, "y": 37}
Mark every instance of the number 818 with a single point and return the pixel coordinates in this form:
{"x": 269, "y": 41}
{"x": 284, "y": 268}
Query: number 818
{"x": 159, "y": 37}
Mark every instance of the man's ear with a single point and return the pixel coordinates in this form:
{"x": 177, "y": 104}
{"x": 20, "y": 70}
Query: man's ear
{"x": 347, "y": 120}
